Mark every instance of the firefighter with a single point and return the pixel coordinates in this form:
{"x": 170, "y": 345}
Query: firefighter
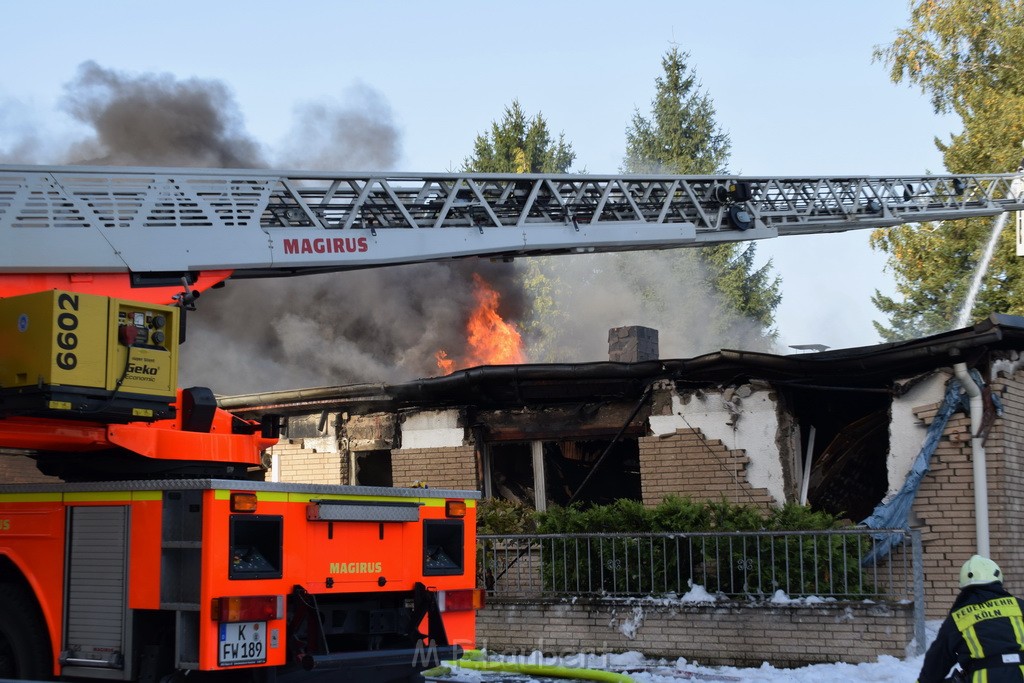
{"x": 984, "y": 632}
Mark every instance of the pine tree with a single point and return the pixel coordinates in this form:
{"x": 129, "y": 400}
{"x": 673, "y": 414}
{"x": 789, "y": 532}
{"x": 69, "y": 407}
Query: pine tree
{"x": 681, "y": 136}
{"x": 519, "y": 145}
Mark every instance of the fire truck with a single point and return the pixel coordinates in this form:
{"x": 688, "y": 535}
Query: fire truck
{"x": 161, "y": 551}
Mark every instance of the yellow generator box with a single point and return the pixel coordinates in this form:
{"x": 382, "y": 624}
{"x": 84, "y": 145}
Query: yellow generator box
{"x": 87, "y": 355}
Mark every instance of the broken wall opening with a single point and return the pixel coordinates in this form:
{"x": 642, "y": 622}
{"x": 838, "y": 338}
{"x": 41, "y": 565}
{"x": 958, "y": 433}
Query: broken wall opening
{"x": 373, "y": 468}
{"x": 369, "y": 439}
{"x": 542, "y": 456}
{"x": 850, "y": 429}
{"x": 541, "y": 473}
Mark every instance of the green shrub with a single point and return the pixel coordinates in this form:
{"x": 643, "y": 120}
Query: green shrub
{"x": 733, "y": 565}
{"x": 499, "y": 516}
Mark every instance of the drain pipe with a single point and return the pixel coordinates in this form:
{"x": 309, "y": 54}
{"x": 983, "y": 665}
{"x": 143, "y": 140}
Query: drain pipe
{"x": 977, "y": 457}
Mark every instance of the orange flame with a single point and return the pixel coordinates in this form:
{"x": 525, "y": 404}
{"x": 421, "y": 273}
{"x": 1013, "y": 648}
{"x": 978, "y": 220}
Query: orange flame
{"x": 446, "y": 364}
{"x": 489, "y": 339}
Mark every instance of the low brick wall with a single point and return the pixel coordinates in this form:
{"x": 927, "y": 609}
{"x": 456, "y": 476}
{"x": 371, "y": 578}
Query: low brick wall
{"x": 722, "y": 634}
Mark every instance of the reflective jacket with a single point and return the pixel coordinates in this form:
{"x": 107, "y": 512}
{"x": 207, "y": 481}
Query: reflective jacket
{"x": 984, "y": 633}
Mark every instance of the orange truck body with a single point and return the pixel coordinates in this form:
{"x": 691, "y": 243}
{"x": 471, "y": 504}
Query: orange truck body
{"x": 159, "y": 556}
{"x": 137, "y": 579}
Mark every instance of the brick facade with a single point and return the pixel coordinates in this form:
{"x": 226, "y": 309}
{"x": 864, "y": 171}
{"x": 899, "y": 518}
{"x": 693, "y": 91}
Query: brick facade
{"x": 298, "y": 464}
{"x": 21, "y": 469}
{"x": 689, "y": 465}
{"x": 944, "y": 506}
{"x": 721, "y": 634}
{"x": 440, "y": 468}
{"x": 1004, "y": 450}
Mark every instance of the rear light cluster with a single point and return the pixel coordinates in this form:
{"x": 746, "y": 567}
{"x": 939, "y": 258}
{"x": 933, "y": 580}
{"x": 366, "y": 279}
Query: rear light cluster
{"x": 248, "y": 608}
{"x": 460, "y": 600}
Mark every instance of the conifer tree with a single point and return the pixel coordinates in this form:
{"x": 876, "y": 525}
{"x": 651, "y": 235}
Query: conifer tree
{"x": 682, "y": 136}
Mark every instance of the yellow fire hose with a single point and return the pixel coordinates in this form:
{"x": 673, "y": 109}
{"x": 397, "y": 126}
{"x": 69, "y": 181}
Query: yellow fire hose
{"x": 473, "y": 659}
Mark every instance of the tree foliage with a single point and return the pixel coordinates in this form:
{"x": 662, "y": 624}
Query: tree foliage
{"x": 965, "y": 55}
{"x": 700, "y": 299}
{"x": 521, "y": 144}
{"x": 959, "y": 51}
{"x": 518, "y": 144}
{"x": 681, "y": 136}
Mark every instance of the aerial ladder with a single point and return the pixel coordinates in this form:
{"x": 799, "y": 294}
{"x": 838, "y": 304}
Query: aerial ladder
{"x": 161, "y": 552}
{"x": 151, "y": 227}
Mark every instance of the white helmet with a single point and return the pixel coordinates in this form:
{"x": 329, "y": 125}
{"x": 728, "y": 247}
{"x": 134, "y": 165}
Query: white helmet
{"x": 979, "y": 570}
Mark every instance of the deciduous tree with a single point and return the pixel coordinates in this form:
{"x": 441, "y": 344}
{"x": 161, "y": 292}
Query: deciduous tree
{"x": 966, "y": 55}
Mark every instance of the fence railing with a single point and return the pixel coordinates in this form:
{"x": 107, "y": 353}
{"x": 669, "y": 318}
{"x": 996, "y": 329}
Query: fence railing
{"x": 828, "y": 564}
{"x": 835, "y": 564}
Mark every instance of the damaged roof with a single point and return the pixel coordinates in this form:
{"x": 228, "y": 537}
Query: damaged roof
{"x": 872, "y": 368}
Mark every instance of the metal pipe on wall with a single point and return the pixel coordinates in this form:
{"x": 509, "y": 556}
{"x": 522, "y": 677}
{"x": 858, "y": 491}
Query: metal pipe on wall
{"x": 977, "y": 458}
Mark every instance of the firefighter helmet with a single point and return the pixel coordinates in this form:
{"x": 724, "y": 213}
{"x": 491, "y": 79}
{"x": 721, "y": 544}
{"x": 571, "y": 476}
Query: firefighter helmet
{"x": 979, "y": 570}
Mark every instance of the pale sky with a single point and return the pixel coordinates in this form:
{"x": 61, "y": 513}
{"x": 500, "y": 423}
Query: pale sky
{"x": 793, "y": 84}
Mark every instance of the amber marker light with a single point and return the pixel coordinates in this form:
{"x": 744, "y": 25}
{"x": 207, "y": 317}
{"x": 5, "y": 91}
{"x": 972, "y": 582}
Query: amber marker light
{"x": 243, "y": 502}
{"x": 455, "y": 508}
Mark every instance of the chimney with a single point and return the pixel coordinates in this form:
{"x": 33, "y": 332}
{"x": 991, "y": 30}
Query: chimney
{"x": 632, "y": 344}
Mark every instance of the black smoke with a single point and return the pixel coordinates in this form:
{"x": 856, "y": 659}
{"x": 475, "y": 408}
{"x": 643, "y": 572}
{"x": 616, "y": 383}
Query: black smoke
{"x": 379, "y": 325}
{"x": 384, "y": 324}
{"x": 157, "y": 119}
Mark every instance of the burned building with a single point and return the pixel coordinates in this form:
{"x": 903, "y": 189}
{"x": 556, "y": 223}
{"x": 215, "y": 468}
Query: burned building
{"x": 838, "y": 430}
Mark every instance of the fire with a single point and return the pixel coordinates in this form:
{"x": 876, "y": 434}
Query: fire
{"x": 489, "y": 339}
{"x": 446, "y": 364}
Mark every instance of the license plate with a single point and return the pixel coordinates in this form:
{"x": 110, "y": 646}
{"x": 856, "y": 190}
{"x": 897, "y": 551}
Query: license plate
{"x": 242, "y": 643}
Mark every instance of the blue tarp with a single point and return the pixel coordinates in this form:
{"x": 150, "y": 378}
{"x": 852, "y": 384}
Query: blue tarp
{"x": 894, "y": 513}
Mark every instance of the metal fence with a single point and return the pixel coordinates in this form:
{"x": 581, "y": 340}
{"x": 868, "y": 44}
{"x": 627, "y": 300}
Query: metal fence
{"x": 829, "y": 564}
{"x": 837, "y": 564}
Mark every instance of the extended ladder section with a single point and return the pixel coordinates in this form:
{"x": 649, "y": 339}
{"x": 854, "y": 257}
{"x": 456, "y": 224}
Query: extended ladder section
{"x": 261, "y": 223}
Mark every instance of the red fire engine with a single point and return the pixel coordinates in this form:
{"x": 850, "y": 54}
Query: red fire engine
{"x": 160, "y": 554}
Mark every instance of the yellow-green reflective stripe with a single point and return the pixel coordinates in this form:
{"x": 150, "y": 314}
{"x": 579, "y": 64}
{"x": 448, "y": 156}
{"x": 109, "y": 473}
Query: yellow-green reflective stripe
{"x": 96, "y": 497}
{"x": 1018, "y": 631}
{"x": 30, "y": 498}
{"x": 967, "y": 617}
{"x": 271, "y": 497}
{"x": 285, "y": 497}
{"x": 426, "y": 502}
{"x": 111, "y": 496}
{"x": 973, "y": 645}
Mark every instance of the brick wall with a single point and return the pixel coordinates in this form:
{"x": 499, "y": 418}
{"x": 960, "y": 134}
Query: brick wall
{"x": 1004, "y": 451}
{"x": 689, "y": 465}
{"x": 944, "y": 512}
{"x": 730, "y": 635}
{"x": 301, "y": 465}
{"x": 440, "y": 468}
{"x": 944, "y": 507}
{"x": 21, "y": 469}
